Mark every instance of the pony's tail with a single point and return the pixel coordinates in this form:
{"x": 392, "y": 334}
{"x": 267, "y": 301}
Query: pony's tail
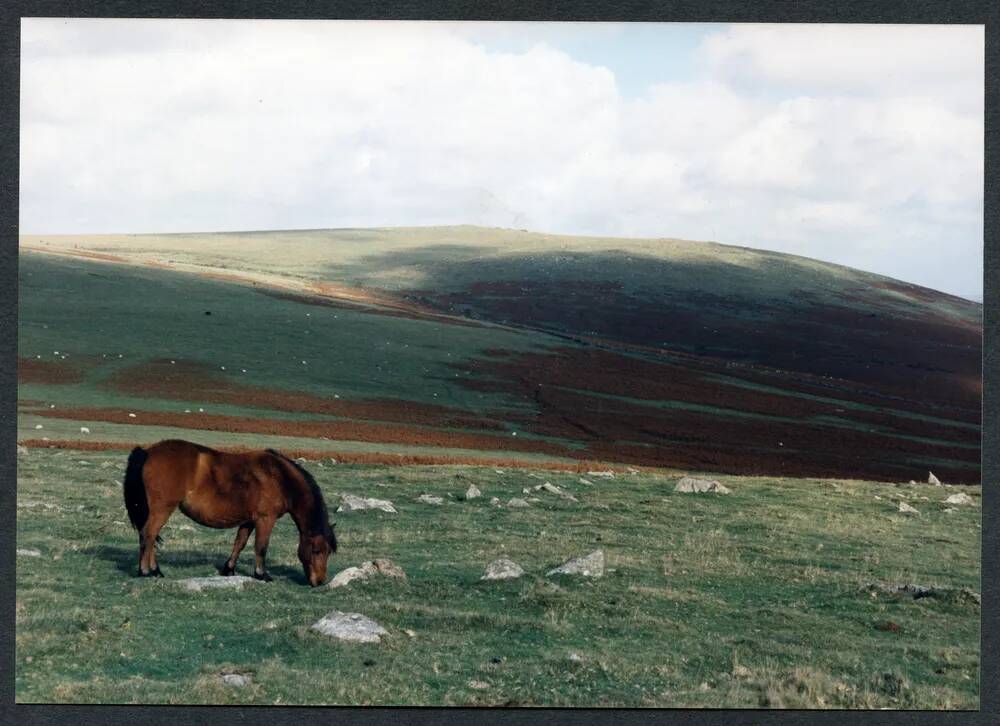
{"x": 135, "y": 489}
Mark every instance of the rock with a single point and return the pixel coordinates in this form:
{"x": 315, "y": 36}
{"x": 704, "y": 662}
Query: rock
{"x": 912, "y": 482}
{"x": 495, "y": 501}
{"x": 430, "y": 499}
{"x": 690, "y": 484}
{"x": 236, "y": 679}
{"x": 517, "y": 503}
{"x": 84, "y": 430}
{"x": 585, "y": 481}
{"x": 368, "y": 570}
{"x": 931, "y": 479}
{"x": 217, "y": 582}
{"x": 28, "y": 552}
{"x": 479, "y": 685}
{"x": 950, "y": 510}
{"x": 605, "y": 474}
{"x": 22, "y": 450}
{"x": 960, "y": 498}
{"x": 502, "y": 569}
{"x": 473, "y": 492}
{"x": 556, "y": 490}
{"x": 961, "y": 595}
{"x": 574, "y": 658}
{"x": 907, "y": 509}
{"x": 349, "y": 575}
{"x": 38, "y": 427}
{"x": 631, "y": 470}
{"x": 352, "y": 503}
{"x": 353, "y": 627}
{"x": 591, "y": 565}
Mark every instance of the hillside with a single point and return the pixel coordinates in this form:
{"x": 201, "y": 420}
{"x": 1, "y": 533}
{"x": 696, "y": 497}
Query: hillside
{"x": 481, "y": 342}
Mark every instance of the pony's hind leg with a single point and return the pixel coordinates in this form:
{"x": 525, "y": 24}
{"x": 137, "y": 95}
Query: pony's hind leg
{"x": 148, "y": 566}
{"x": 229, "y": 567}
{"x": 260, "y": 540}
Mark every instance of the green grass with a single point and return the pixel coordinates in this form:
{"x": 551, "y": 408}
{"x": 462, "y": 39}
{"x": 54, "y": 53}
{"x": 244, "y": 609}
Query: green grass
{"x": 747, "y": 600}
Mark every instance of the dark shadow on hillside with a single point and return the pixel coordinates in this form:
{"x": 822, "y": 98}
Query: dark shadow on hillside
{"x": 780, "y": 311}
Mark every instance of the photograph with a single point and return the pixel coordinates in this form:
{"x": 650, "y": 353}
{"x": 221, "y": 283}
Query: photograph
{"x": 499, "y": 364}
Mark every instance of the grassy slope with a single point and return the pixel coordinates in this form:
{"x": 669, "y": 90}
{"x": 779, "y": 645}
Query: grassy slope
{"x": 710, "y": 601}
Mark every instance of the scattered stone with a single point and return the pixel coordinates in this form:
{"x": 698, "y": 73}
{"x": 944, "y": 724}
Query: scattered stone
{"x": 217, "y": 582}
{"x": 353, "y": 627}
{"x": 931, "y": 479}
{"x": 690, "y": 484}
{"x": 907, "y": 509}
{"x": 28, "y": 552}
{"x": 963, "y": 594}
{"x": 585, "y": 481}
{"x": 495, "y": 501}
{"x": 131, "y": 415}
{"x": 409, "y": 632}
{"x": 591, "y": 565}
{"x": 950, "y": 510}
{"x": 912, "y": 482}
{"x": 38, "y": 427}
{"x": 574, "y": 658}
{"x": 473, "y": 492}
{"x": 631, "y": 470}
{"x": 960, "y": 498}
{"x": 502, "y": 569}
{"x": 517, "y": 503}
{"x": 352, "y": 503}
{"x": 556, "y": 490}
{"x": 878, "y": 497}
{"x": 430, "y": 499}
{"x": 84, "y": 430}
{"x": 499, "y": 471}
{"x": 22, "y": 450}
{"x": 605, "y": 474}
{"x": 533, "y": 500}
{"x": 236, "y": 679}
{"x": 479, "y": 685}
{"x": 368, "y": 570}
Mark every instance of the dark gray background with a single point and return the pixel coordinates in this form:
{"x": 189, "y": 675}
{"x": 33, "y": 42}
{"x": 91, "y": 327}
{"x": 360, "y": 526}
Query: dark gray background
{"x": 885, "y": 11}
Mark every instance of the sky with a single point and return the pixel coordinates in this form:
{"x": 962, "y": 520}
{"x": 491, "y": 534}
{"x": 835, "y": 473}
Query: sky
{"x": 860, "y": 145}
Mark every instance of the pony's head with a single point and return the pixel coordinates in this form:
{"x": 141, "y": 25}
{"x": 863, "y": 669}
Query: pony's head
{"x": 314, "y": 552}
{"x": 316, "y": 538}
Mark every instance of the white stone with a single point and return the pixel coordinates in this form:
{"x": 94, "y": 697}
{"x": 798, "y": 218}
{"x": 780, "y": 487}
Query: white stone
{"x": 22, "y": 450}
{"x": 907, "y": 509}
{"x": 931, "y": 479}
{"x": 218, "y": 582}
{"x": 473, "y": 492}
{"x": 28, "y": 552}
{"x": 236, "y": 679}
{"x": 606, "y": 474}
{"x": 517, "y": 503}
{"x": 502, "y": 569}
{"x": 430, "y": 499}
{"x": 353, "y": 627}
{"x": 960, "y": 498}
{"x": 690, "y": 484}
{"x": 84, "y": 430}
{"x": 591, "y": 565}
{"x": 352, "y": 503}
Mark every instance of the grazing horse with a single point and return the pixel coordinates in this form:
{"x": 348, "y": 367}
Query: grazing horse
{"x": 250, "y": 491}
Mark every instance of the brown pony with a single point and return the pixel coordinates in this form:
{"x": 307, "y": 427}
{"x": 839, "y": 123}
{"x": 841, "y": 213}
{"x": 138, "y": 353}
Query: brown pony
{"x": 251, "y": 491}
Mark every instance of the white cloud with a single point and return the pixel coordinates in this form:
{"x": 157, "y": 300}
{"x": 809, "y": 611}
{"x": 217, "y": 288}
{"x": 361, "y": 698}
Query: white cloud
{"x": 860, "y": 145}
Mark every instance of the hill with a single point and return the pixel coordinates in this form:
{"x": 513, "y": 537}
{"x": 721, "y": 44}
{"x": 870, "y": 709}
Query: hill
{"x": 472, "y": 342}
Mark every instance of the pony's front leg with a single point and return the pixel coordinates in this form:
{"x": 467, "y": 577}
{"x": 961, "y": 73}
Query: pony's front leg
{"x": 229, "y": 568}
{"x": 260, "y": 540}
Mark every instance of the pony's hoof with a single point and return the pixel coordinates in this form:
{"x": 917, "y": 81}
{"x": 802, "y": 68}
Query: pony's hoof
{"x": 226, "y": 570}
{"x": 156, "y": 573}
{"x": 263, "y": 576}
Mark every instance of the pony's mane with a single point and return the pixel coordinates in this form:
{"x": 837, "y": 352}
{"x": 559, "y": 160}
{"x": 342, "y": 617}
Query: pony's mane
{"x": 319, "y": 519}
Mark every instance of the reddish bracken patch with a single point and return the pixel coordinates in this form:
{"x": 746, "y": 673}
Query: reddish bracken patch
{"x": 192, "y": 381}
{"x": 352, "y": 457}
{"x": 342, "y": 430}
{"x": 32, "y": 370}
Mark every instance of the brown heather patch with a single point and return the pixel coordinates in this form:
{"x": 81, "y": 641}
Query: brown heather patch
{"x": 342, "y": 430}
{"x": 186, "y": 380}
{"x": 32, "y": 370}
{"x": 352, "y": 457}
